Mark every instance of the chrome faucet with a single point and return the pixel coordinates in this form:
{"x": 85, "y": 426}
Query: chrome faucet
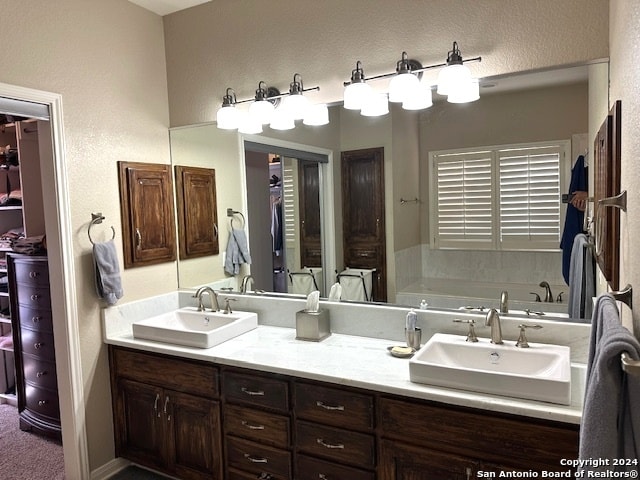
{"x": 493, "y": 321}
{"x": 504, "y": 302}
{"x": 212, "y": 295}
{"x": 548, "y": 296}
{"x": 245, "y": 283}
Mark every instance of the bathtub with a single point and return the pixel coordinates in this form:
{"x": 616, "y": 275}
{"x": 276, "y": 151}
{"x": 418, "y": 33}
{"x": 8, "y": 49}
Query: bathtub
{"x": 456, "y": 293}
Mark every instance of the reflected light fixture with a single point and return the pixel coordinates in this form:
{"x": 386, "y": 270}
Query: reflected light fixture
{"x": 406, "y": 87}
{"x": 266, "y": 108}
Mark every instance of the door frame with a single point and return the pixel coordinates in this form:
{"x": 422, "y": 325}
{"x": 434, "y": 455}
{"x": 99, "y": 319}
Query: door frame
{"x": 58, "y": 228}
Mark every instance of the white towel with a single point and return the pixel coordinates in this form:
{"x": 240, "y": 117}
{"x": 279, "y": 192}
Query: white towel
{"x": 107, "y": 272}
{"x": 237, "y": 252}
{"x": 581, "y": 279}
{"x": 610, "y": 425}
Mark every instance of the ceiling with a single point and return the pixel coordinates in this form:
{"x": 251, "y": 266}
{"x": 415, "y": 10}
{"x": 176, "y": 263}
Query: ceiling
{"x": 165, "y": 7}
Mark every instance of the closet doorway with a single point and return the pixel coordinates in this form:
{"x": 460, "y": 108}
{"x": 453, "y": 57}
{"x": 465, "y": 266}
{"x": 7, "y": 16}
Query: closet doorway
{"x": 285, "y": 219}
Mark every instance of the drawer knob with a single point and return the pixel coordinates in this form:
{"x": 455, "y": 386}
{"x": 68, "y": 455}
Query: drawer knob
{"x": 322, "y": 476}
{"x": 253, "y": 393}
{"x": 33, "y": 274}
{"x": 252, "y": 427}
{"x": 36, "y": 319}
{"x": 42, "y": 403}
{"x": 35, "y": 297}
{"x": 320, "y": 441}
{"x": 330, "y": 407}
{"x": 38, "y": 345}
{"x": 253, "y": 459}
{"x": 41, "y": 374}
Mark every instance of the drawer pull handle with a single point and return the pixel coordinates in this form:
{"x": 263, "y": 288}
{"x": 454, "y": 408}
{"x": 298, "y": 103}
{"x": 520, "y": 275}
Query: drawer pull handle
{"x": 42, "y": 403}
{"x": 322, "y": 476}
{"x": 41, "y": 374}
{"x": 252, "y": 427}
{"x": 255, "y": 459}
{"x": 38, "y": 345}
{"x": 253, "y": 393}
{"x": 35, "y": 297}
{"x": 155, "y": 405}
{"x": 33, "y": 274}
{"x": 166, "y": 404}
{"x": 36, "y": 319}
{"x": 329, "y": 407}
{"x": 330, "y": 445}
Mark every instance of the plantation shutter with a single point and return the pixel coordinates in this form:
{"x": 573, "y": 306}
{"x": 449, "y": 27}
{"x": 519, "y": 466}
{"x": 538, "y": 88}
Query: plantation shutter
{"x": 529, "y": 196}
{"x": 464, "y": 200}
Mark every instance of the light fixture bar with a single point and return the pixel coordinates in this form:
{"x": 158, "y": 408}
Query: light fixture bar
{"x": 280, "y": 95}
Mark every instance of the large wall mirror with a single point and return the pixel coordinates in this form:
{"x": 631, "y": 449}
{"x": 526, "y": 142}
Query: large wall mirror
{"x": 566, "y": 103}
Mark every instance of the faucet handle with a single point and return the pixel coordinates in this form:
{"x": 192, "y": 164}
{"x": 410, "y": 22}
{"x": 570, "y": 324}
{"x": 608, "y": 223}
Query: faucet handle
{"x": 471, "y": 335}
{"x": 522, "y": 339}
{"x": 227, "y": 305}
{"x": 537, "y": 296}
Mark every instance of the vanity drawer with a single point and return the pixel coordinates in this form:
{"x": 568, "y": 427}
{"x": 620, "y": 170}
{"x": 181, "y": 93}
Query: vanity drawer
{"x": 313, "y": 468}
{"x": 181, "y": 375}
{"x": 39, "y": 373}
{"x": 32, "y": 273}
{"x": 36, "y": 318}
{"x": 336, "y": 444}
{"x": 256, "y": 458}
{"x": 34, "y": 297}
{"x": 42, "y": 401}
{"x": 37, "y": 343}
{"x": 334, "y": 406}
{"x": 264, "y": 392}
{"x": 449, "y": 429}
{"x": 257, "y": 425}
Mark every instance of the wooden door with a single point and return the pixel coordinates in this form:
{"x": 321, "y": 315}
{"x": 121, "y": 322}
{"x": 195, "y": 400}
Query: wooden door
{"x": 139, "y": 423}
{"x": 363, "y": 215}
{"x": 193, "y": 436}
{"x": 146, "y": 201}
{"x": 197, "y": 211}
{"x": 310, "y": 226}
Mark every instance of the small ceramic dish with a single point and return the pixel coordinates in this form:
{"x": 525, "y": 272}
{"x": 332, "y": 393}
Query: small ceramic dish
{"x": 401, "y": 351}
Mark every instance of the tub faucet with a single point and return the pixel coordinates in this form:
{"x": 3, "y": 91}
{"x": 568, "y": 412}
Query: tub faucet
{"x": 212, "y": 295}
{"x": 548, "y": 296}
{"x": 493, "y": 321}
{"x": 245, "y": 283}
{"x": 504, "y": 302}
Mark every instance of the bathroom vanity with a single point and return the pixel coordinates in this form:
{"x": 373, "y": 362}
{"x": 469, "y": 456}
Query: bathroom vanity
{"x": 343, "y": 408}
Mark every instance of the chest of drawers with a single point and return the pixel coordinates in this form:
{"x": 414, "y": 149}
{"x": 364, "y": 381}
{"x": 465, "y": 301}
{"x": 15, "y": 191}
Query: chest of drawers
{"x": 32, "y": 324}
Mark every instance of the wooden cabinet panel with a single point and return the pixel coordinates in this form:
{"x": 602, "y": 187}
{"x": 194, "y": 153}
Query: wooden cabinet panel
{"x": 258, "y": 426}
{"x": 336, "y": 444}
{"x": 197, "y": 211}
{"x": 310, "y": 222}
{"x": 256, "y": 458}
{"x": 314, "y": 468}
{"x": 266, "y": 392}
{"x": 146, "y": 203}
{"x": 334, "y": 406}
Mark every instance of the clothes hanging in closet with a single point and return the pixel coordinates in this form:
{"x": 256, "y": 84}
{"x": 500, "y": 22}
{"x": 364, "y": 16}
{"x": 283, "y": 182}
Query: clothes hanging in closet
{"x": 574, "y": 219}
{"x": 276, "y": 224}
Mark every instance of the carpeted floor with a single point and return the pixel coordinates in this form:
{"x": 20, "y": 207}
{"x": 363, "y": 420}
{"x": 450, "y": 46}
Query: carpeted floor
{"x": 25, "y": 456}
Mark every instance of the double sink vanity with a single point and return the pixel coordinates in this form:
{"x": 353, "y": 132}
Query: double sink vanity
{"x": 201, "y": 394}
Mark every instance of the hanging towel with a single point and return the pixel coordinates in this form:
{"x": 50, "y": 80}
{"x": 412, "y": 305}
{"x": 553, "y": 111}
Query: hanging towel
{"x": 574, "y": 218}
{"x": 108, "y": 283}
{"x": 581, "y": 279}
{"x": 610, "y": 425}
{"x": 237, "y": 252}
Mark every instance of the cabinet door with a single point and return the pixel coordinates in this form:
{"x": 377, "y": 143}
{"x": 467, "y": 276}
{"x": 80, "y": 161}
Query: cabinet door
{"x": 197, "y": 211}
{"x": 139, "y": 423}
{"x": 193, "y": 434}
{"x": 405, "y": 462}
{"x": 146, "y": 202}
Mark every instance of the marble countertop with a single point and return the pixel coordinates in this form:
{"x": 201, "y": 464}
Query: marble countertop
{"x": 356, "y": 361}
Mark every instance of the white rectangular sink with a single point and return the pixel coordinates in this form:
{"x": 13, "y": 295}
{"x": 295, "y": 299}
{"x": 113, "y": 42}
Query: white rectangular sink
{"x": 541, "y": 372}
{"x": 187, "y": 326}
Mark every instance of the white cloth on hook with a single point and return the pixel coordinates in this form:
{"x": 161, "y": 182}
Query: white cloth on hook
{"x": 107, "y": 272}
{"x": 237, "y": 252}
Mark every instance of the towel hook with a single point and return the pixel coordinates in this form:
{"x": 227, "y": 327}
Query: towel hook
{"x": 97, "y": 218}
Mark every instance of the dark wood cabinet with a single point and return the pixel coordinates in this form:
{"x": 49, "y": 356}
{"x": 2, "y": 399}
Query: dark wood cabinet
{"x": 197, "y": 211}
{"x": 310, "y": 222}
{"x": 148, "y": 222}
{"x": 166, "y": 415}
{"x": 34, "y": 349}
{"x": 363, "y": 215}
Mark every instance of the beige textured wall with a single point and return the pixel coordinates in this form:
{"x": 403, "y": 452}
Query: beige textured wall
{"x": 625, "y": 84}
{"x": 107, "y": 61}
{"x": 237, "y": 43}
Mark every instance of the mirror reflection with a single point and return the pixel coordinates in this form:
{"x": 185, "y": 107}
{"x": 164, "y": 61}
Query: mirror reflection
{"x": 562, "y": 104}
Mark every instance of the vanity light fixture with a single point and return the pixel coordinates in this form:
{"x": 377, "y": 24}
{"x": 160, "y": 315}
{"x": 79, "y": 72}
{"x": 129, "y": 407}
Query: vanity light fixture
{"x": 266, "y": 108}
{"x": 406, "y": 86}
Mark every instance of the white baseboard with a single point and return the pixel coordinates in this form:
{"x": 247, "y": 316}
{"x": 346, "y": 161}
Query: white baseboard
{"x": 109, "y": 469}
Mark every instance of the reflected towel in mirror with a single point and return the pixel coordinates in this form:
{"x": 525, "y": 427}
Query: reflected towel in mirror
{"x": 237, "y": 251}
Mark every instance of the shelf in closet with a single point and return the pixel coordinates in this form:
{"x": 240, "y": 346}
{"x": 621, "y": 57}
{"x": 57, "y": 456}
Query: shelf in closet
{"x": 10, "y": 207}
{"x": 6, "y": 320}
{"x": 6, "y": 349}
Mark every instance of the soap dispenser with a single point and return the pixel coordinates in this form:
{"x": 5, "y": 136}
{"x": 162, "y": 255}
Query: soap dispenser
{"x": 413, "y": 333}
